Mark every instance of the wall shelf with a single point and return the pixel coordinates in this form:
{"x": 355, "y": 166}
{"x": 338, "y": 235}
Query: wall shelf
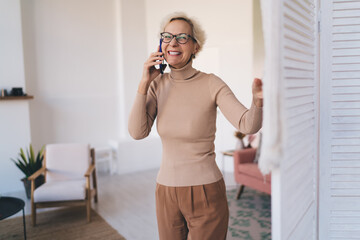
{"x": 11, "y": 98}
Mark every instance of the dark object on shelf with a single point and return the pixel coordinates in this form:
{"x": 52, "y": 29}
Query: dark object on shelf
{"x": 17, "y": 92}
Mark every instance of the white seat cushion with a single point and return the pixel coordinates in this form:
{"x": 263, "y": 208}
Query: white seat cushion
{"x": 60, "y": 191}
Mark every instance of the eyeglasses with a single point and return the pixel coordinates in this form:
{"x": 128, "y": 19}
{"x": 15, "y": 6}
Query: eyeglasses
{"x": 181, "y": 38}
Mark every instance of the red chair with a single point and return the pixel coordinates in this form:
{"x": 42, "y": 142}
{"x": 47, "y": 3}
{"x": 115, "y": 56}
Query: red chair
{"x": 247, "y": 173}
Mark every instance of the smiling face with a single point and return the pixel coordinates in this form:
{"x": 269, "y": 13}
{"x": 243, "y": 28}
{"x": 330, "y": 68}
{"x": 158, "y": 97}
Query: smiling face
{"x": 178, "y": 55}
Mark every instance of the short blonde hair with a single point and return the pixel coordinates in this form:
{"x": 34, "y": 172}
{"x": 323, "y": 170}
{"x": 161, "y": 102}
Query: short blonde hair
{"x": 197, "y": 32}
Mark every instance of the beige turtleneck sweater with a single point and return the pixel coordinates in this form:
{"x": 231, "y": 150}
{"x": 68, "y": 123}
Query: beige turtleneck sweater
{"x": 185, "y": 102}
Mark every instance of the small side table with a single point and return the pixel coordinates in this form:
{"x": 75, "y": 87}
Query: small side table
{"x": 9, "y": 206}
{"x": 105, "y": 154}
{"x": 228, "y": 153}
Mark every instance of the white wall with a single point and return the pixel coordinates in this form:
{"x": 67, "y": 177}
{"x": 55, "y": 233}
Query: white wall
{"x": 71, "y": 68}
{"x": 228, "y": 51}
{"x": 14, "y": 120}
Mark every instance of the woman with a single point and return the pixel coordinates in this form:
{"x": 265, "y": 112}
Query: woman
{"x": 190, "y": 192}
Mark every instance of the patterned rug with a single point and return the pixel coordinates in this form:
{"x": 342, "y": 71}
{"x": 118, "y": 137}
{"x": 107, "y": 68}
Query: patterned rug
{"x": 61, "y": 224}
{"x": 250, "y": 216}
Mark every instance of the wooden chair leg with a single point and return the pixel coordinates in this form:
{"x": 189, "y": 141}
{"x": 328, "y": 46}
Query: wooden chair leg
{"x": 33, "y": 214}
{"x": 95, "y": 186}
{"x": 88, "y": 201}
{"x": 88, "y": 210}
{"x": 33, "y": 206}
{"x": 240, "y": 191}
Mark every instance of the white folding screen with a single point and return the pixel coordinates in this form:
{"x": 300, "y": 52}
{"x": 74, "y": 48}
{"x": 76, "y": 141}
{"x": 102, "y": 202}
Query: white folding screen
{"x": 339, "y": 193}
{"x": 294, "y": 173}
{"x": 299, "y": 75}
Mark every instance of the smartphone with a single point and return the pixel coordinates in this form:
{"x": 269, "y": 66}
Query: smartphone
{"x": 161, "y": 64}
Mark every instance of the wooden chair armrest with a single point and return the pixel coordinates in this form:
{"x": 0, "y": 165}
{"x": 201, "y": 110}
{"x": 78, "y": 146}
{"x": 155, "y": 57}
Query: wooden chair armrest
{"x": 36, "y": 174}
{"x": 90, "y": 170}
{"x": 244, "y": 155}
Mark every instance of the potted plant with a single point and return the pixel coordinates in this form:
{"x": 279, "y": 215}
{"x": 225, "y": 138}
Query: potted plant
{"x": 28, "y": 164}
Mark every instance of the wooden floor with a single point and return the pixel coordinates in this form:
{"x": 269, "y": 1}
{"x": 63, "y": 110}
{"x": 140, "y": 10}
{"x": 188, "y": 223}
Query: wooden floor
{"x": 127, "y": 203}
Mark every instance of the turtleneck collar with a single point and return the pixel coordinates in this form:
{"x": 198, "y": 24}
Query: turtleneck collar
{"x": 184, "y": 73}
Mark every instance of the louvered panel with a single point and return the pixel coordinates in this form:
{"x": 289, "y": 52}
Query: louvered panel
{"x": 345, "y": 75}
{"x": 345, "y": 204}
{"x": 299, "y": 101}
{"x": 336, "y": 235}
{"x": 346, "y": 67}
{"x": 346, "y": 21}
{"x": 346, "y": 156}
{"x": 346, "y": 59}
{"x": 342, "y": 177}
{"x": 346, "y": 52}
{"x": 304, "y": 229}
{"x": 288, "y": 33}
{"x": 291, "y": 82}
{"x": 350, "y": 134}
{"x": 345, "y": 227}
{"x": 347, "y": 119}
{"x": 345, "y": 192}
{"x": 345, "y": 185}
{"x": 301, "y": 20}
{"x": 298, "y": 73}
{"x": 299, "y": 148}
{"x": 346, "y": 13}
{"x": 299, "y": 92}
{"x": 343, "y": 149}
{"x": 298, "y": 203}
{"x": 292, "y": 53}
{"x": 346, "y": 127}
{"x": 350, "y": 171}
{"x": 346, "y": 37}
{"x": 299, "y": 65}
{"x": 300, "y": 10}
{"x": 308, "y": 6}
{"x": 298, "y": 110}
{"x": 298, "y": 46}
{"x": 345, "y": 82}
{"x": 346, "y": 97}
{"x": 301, "y": 120}
{"x": 346, "y": 44}
{"x": 339, "y": 220}
{"x": 298, "y": 79}
{"x": 300, "y": 158}
{"x": 344, "y": 112}
{"x": 346, "y": 5}
{"x": 345, "y": 163}
{"x": 346, "y": 141}
{"x": 353, "y": 105}
{"x": 346, "y": 29}
{"x": 301, "y": 211}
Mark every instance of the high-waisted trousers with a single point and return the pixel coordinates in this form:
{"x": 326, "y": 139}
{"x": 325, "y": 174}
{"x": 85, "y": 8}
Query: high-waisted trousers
{"x": 195, "y": 212}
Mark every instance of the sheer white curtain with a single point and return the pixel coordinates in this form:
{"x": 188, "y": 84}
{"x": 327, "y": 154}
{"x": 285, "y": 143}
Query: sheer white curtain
{"x": 271, "y": 148}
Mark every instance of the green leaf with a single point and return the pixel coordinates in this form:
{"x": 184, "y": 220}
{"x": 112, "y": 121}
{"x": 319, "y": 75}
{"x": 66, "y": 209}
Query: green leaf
{"x": 32, "y": 159}
{"x": 28, "y": 164}
{"x": 22, "y": 155}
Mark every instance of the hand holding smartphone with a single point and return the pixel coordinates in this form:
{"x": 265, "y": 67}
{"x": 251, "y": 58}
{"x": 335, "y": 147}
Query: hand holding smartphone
{"x": 162, "y": 65}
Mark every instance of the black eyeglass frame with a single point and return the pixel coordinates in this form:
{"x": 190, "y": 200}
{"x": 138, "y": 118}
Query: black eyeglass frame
{"x": 175, "y": 36}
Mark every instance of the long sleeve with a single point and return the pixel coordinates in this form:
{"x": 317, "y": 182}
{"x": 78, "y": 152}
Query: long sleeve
{"x": 247, "y": 121}
{"x": 143, "y": 113}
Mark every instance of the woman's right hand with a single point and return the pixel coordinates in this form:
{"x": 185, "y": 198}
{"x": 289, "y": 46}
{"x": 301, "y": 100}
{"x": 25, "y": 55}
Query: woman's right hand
{"x": 149, "y": 71}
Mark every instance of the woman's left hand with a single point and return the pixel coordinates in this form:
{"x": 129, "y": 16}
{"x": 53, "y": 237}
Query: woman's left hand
{"x": 257, "y": 92}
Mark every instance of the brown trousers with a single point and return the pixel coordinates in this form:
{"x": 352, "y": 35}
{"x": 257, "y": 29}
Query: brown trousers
{"x": 194, "y": 212}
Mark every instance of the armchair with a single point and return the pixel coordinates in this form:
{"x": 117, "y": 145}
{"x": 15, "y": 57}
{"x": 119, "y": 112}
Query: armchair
{"x": 68, "y": 169}
{"x": 247, "y": 173}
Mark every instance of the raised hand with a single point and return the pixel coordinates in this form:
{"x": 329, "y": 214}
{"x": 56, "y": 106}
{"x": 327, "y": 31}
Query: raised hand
{"x": 257, "y": 92}
{"x": 149, "y": 70}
